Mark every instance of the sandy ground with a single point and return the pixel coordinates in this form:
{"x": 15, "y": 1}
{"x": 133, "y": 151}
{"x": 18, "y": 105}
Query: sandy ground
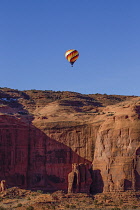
{"x": 15, "y": 198}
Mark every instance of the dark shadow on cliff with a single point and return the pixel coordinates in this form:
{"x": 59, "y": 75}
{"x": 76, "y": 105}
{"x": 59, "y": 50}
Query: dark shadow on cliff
{"x": 127, "y": 184}
{"x": 136, "y": 163}
{"x": 32, "y": 160}
{"x": 28, "y": 157}
{"x": 97, "y": 184}
{"x": 137, "y": 178}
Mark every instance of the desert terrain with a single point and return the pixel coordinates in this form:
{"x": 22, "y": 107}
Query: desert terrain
{"x": 43, "y": 134}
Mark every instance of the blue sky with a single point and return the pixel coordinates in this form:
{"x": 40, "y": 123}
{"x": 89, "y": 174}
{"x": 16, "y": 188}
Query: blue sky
{"x": 34, "y": 35}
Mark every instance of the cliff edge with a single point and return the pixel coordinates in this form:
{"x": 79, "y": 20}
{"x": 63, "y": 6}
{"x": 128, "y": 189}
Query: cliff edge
{"x": 43, "y": 133}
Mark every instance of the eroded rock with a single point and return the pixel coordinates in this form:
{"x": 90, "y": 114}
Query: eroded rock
{"x": 39, "y": 148}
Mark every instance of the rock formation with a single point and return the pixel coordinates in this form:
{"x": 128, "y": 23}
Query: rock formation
{"x": 74, "y": 179}
{"x": 3, "y": 185}
{"x": 79, "y": 179}
{"x": 42, "y": 134}
{"x": 117, "y": 148}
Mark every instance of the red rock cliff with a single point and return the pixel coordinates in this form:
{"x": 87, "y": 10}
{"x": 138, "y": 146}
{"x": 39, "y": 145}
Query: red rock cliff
{"x": 41, "y": 139}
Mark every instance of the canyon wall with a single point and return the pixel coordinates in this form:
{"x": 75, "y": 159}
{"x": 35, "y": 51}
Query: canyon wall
{"x": 116, "y": 161}
{"x": 40, "y": 145}
{"x": 33, "y": 159}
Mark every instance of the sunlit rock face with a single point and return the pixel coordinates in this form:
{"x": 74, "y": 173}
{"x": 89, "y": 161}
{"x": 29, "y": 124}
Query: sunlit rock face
{"x": 43, "y": 134}
{"x": 117, "y": 150}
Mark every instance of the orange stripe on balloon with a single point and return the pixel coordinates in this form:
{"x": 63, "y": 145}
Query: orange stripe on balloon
{"x": 74, "y": 58}
{"x": 72, "y": 54}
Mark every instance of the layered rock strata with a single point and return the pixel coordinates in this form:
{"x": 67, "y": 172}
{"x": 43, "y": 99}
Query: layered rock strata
{"x": 40, "y": 143}
{"x": 116, "y": 162}
{"x": 32, "y": 159}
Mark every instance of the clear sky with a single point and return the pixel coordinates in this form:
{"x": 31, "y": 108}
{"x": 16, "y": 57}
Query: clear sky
{"x": 34, "y": 35}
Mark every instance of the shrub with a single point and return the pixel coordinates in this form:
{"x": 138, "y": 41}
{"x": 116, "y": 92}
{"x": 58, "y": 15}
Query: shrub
{"x": 125, "y": 207}
{"x": 19, "y": 205}
{"x": 105, "y": 197}
{"x": 121, "y": 202}
{"x": 30, "y": 208}
{"x": 55, "y": 197}
{"x": 2, "y": 208}
{"x": 95, "y": 202}
{"x": 33, "y": 194}
{"x": 111, "y": 114}
{"x": 134, "y": 207}
{"x": 73, "y": 206}
{"x": 48, "y": 206}
{"x": 17, "y": 197}
{"x": 67, "y": 206}
{"x": 39, "y": 191}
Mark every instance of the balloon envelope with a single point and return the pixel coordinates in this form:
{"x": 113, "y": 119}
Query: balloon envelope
{"x": 71, "y": 56}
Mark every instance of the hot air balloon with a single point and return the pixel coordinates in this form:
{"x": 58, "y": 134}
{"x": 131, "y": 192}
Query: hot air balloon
{"x": 71, "y": 56}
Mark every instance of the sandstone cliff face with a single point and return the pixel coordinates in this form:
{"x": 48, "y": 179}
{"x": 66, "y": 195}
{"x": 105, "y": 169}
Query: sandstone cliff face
{"x": 117, "y": 149}
{"x": 41, "y": 139}
{"x": 33, "y": 159}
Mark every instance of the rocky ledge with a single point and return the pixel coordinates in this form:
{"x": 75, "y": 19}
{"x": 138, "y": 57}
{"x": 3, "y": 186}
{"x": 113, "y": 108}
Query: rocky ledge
{"x": 45, "y": 136}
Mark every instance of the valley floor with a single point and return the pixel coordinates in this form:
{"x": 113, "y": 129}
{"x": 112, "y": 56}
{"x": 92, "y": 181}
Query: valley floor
{"x": 15, "y": 198}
